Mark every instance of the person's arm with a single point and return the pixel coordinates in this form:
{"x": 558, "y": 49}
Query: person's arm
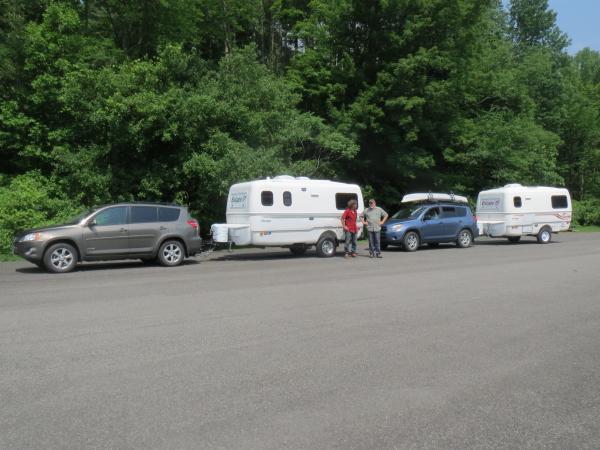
{"x": 344, "y": 221}
{"x": 385, "y": 217}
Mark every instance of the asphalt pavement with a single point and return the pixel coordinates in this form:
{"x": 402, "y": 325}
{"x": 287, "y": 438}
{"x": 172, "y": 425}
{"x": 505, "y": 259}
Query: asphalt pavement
{"x": 495, "y": 346}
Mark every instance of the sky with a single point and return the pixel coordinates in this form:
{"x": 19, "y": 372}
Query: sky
{"x": 580, "y": 20}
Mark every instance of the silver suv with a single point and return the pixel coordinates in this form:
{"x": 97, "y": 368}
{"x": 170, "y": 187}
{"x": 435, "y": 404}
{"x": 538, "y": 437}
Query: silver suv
{"x": 148, "y": 231}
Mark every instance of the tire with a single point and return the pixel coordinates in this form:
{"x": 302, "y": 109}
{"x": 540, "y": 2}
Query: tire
{"x": 411, "y": 242}
{"x": 298, "y": 249}
{"x": 465, "y": 239}
{"x": 545, "y": 235}
{"x": 60, "y": 258}
{"x": 171, "y": 253}
{"x": 514, "y": 239}
{"x": 326, "y": 246}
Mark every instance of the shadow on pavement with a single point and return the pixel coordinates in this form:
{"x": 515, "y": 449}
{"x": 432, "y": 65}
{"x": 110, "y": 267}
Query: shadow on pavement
{"x": 107, "y": 265}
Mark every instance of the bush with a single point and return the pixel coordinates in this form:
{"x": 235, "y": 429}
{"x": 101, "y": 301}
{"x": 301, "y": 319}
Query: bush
{"x": 586, "y": 212}
{"x": 27, "y": 201}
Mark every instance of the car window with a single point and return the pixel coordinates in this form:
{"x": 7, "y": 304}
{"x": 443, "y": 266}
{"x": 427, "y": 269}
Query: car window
{"x": 433, "y": 213}
{"x": 144, "y": 214}
{"x": 461, "y": 211}
{"x": 112, "y": 216}
{"x": 409, "y": 212}
{"x": 168, "y": 214}
{"x": 449, "y": 211}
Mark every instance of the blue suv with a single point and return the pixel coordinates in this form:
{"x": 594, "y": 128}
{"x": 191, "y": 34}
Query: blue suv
{"x": 432, "y": 224}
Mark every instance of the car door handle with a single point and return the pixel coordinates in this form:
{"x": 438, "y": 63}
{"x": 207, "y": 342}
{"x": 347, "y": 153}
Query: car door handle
{"x": 123, "y": 230}
{"x": 163, "y": 228}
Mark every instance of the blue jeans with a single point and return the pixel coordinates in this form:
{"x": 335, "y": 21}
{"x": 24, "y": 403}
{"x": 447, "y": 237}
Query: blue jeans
{"x": 350, "y": 239}
{"x": 374, "y": 242}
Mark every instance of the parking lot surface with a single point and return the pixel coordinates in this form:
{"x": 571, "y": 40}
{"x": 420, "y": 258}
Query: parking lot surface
{"x": 495, "y": 346}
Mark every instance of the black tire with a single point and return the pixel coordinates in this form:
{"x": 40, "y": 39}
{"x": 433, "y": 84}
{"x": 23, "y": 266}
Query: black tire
{"x": 411, "y": 241}
{"x": 433, "y": 244}
{"x": 545, "y": 235}
{"x": 465, "y": 238}
{"x": 60, "y": 258}
{"x": 326, "y": 246}
{"x": 384, "y": 246}
{"x": 298, "y": 249}
{"x": 171, "y": 253}
{"x": 514, "y": 239}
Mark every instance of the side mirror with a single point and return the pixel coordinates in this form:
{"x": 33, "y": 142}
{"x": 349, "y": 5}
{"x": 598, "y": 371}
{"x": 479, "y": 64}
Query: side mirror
{"x": 92, "y": 223}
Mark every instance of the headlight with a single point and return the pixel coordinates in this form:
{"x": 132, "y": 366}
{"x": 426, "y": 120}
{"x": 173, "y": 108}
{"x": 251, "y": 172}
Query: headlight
{"x": 32, "y": 237}
{"x": 397, "y": 227}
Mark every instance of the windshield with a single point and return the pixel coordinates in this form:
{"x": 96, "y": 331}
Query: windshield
{"x": 79, "y": 217}
{"x": 409, "y": 212}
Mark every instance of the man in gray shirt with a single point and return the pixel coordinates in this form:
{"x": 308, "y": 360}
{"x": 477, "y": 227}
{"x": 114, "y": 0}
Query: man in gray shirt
{"x": 373, "y": 218}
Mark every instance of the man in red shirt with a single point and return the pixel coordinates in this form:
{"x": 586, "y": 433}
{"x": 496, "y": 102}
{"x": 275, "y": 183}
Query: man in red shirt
{"x": 349, "y": 218}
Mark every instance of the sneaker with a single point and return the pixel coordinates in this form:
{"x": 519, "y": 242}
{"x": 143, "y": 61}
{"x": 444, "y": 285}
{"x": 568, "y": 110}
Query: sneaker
{"x": 346, "y": 255}
{"x": 379, "y": 255}
{"x": 353, "y": 255}
{"x": 371, "y": 255}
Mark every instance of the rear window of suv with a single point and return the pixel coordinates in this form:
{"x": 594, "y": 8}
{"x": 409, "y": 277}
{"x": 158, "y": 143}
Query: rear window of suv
{"x": 168, "y": 214}
{"x": 144, "y": 214}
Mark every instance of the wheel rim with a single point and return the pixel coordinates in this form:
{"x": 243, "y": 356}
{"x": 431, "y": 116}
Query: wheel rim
{"x": 172, "y": 253}
{"x": 412, "y": 241}
{"x": 327, "y": 247}
{"x": 61, "y": 258}
{"x": 465, "y": 238}
{"x": 545, "y": 236}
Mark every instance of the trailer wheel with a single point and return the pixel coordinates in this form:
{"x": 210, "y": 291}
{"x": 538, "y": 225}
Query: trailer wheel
{"x": 326, "y": 246}
{"x": 298, "y": 249}
{"x": 514, "y": 239}
{"x": 545, "y": 235}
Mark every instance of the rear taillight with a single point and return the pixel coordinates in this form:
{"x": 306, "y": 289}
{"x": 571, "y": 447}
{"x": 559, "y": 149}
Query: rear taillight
{"x": 475, "y": 218}
{"x": 194, "y": 224}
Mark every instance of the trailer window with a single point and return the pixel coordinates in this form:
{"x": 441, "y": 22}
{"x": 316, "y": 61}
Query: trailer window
{"x": 266, "y": 198}
{"x": 559, "y": 201}
{"x": 517, "y": 202}
{"x": 341, "y": 200}
{"x": 287, "y": 198}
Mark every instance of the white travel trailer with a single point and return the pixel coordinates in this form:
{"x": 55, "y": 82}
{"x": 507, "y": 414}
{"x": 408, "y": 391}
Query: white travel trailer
{"x": 513, "y": 211}
{"x": 287, "y": 212}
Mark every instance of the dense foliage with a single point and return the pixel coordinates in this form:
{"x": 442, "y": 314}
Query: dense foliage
{"x": 173, "y": 100}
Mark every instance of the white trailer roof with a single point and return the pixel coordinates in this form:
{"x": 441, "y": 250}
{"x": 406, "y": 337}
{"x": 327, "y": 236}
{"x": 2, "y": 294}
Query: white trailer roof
{"x": 290, "y": 180}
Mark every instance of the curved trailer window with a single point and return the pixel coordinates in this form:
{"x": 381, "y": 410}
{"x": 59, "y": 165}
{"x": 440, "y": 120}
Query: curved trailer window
{"x": 342, "y": 199}
{"x": 266, "y": 198}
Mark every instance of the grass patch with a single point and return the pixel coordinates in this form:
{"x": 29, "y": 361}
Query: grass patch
{"x": 8, "y": 257}
{"x": 587, "y": 228}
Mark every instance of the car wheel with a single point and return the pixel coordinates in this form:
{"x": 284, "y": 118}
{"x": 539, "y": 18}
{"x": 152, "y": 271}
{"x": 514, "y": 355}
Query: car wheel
{"x": 411, "y": 241}
{"x": 514, "y": 239}
{"x": 465, "y": 239}
{"x": 298, "y": 249}
{"x": 544, "y": 236}
{"x": 326, "y": 246}
{"x": 171, "y": 253}
{"x": 60, "y": 258}
{"x": 383, "y": 246}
